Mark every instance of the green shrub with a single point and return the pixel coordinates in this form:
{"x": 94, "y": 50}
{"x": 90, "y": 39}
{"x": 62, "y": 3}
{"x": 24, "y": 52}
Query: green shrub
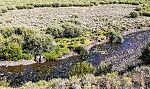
{"x": 146, "y": 54}
{"x": 55, "y": 30}
{"x": 119, "y": 39}
{"x": 2, "y": 40}
{"x": 66, "y": 29}
{"x": 138, "y": 9}
{"x": 66, "y": 5}
{"x": 37, "y": 43}
{"x": 25, "y": 7}
{"x": 21, "y": 7}
{"x": 11, "y": 52}
{"x": 56, "y": 53}
{"x": 104, "y": 68}
{"x": 4, "y": 10}
{"x": 115, "y": 37}
{"x": 18, "y": 30}
{"x": 74, "y": 16}
{"x": 7, "y": 32}
{"x": 82, "y": 68}
{"x": 135, "y": 3}
{"x": 42, "y": 5}
{"x": 11, "y": 8}
{"x": 72, "y": 30}
{"x": 26, "y": 32}
{"x": 103, "y": 2}
{"x": 15, "y": 39}
{"x": 146, "y": 14}
{"x": 55, "y": 4}
{"x": 133, "y": 15}
{"x": 80, "y": 50}
{"x": 75, "y": 22}
{"x": 27, "y": 56}
{"x": 42, "y": 83}
{"x": 37, "y": 5}
{"x": 94, "y": 3}
{"x": 29, "y": 7}
{"x": 53, "y": 55}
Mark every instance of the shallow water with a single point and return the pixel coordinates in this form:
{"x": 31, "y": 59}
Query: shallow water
{"x": 118, "y": 54}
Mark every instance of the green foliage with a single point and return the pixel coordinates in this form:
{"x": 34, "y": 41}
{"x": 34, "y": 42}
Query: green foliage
{"x": 66, "y": 29}
{"x": 104, "y": 68}
{"x": 55, "y": 30}
{"x": 27, "y": 56}
{"x": 18, "y": 30}
{"x": 115, "y": 37}
{"x": 56, "y": 53}
{"x": 146, "y": 7}
{"x": 15, "y": 39}
{"x": 25, "y": 7}
{"x": 133, "y": 15}
{"x": 144, "y": 10}
{"x": 72, "y": 30}
{"x": 146, "y": 54}
{"x": 146, "y": 14}
{"x": 138, "y": 8}
{"x": 73, "y": 43}
{"x": 4, "y": 10}
{"x": 11, "y": 8}
{"x": 2, "y": 40}
{"x": 7, "y": 32}
{"x": 56, "y": 5}
{"x": 82, "y": 68}
{"x": 12, "y": 52}
{"x": 80, "y": 50}
{"x": 135, "y": 3}
{"x": 38, "y": 43}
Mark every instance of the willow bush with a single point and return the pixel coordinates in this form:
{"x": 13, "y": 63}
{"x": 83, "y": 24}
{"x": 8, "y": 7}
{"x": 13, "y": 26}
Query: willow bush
{"x": 82, "y": 68}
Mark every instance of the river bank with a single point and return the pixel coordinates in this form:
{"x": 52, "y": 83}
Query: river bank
{"x": 121, "y": 56}
{"x": 29, "y": 62}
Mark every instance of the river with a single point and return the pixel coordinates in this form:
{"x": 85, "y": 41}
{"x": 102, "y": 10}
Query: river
{"x": 120, "y": 55}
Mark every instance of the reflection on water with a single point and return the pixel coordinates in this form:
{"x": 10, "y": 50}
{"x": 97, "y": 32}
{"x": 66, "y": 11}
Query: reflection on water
{"x": 51, "y": 69}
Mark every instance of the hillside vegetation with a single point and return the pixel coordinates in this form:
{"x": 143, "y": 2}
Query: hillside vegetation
{"x": 29, "y": 4}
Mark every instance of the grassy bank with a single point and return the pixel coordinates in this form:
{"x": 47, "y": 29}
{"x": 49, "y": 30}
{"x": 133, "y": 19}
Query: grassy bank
{"x": 84, "y": 76}
{"x": 60, "y": 38}
{"x": 53, "y": 42}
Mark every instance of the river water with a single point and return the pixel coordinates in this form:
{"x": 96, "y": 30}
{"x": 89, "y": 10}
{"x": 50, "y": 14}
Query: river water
{"x": 120, "y": 55}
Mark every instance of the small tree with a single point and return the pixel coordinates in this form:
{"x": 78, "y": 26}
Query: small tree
{"x": 15, "y": 39}
{"x": 82, "y": 68}
{"x": 72, "y": 30}
{"x": 146, "y": 55}
{"x": 115, "y": 37}
{"x": 104, "y": 68}
{"x": 55, "y": 30}
{"x": 12, "y": 52}
{"x": 7, "y": 32}
{"x": 133, "y": 15}
{"x": 38, "y": 43}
